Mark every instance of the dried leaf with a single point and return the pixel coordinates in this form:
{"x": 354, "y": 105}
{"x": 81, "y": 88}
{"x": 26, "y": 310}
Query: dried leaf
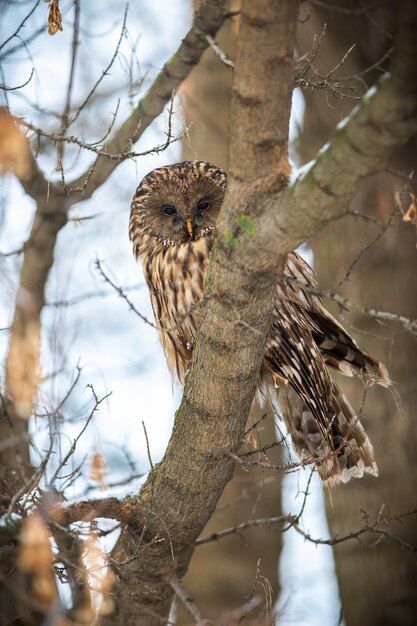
{"x": 102, "y": 579}
{"x": 251, "y": 439}
{"x": 98, "y": 469}
{"x": 22, "y": 366}
{"x": 107, "y": 604}
{"x": 35, "y": 558}
{"x": 54, "y": 18}
{"x": 411, "y": 214}
{"x": 14, "y": 147}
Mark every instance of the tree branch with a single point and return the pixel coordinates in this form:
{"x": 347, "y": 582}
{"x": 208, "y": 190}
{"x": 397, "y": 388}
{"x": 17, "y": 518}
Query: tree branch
{"x": 386, "y": 119}
{"x": 207, "y": 21}
{"x": 251, "y": 523}
{"x": 384, "y": 316}
{"x": 86, "y": 510}
{"x": 51, "y": 216}
{"x": 188, "y": 602}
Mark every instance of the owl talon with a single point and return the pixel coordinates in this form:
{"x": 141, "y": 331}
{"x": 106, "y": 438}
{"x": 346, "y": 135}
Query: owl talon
{"x": 279, "y": 380}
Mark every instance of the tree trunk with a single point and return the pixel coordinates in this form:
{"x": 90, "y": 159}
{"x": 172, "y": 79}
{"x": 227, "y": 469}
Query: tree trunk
{"x": 223, "y": 574}
{"x": 377, "y": 585}
{"x": 229, "y": 566}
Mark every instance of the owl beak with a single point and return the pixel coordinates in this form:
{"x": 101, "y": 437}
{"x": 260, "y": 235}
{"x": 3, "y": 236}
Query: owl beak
{"x": 189, "y": 226}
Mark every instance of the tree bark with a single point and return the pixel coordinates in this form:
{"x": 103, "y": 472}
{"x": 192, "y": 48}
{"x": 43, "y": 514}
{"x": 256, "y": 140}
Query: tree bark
{"x": 229, "y": 566}
{"x": 377, "y": 585}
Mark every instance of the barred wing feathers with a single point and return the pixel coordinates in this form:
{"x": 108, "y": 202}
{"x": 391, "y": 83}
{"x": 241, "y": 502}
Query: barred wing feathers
{"x": 305, "y": 340}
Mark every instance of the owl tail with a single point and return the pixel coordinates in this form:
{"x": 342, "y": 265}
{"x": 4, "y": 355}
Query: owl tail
{"x": 340, "y": 451}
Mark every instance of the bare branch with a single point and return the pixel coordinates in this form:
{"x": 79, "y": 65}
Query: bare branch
{"x": 307, "y": 75}
{"x": 253, "y": 523}
{"x": 121, "y": 293}
{"x": 219, "y": 52}
{"x": 376, "y": 528}
{"x": 379, "y": 527}
{"x": 384, "y": 316}
{"x": 364, "y": 251}
{"x": 387, "y": 118}
{"x": 127, "y": 153}
{"x": 97, "y": 83}
{"x": 71, "y": 451}
{"x": 6, "y": 88}
{"x": 86, "y": 510}
{"x": 207, "y": 21}
{"x": 91, "y": 295}
{"x": 21, "y": 25}
{"x": 51, "y": 214}
{"x": 187, "y": 601}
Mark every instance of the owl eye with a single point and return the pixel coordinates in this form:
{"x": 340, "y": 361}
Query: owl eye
{"x": 202, "y": 205}
{"x": 170, "y": 210}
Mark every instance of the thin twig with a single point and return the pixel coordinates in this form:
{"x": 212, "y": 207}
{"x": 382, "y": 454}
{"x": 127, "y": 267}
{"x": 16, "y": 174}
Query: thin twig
{"x": 385, "y": 316}
{"x": 5, "y": 88}
{"x": 89, "y": 295}
{"x": 147, "y": 446}
{"x": 21, "y": 25}
{"x": 187, "y": 601}
{"x": 219, "y": 52}
{"x": 264, "y": 521}
{"x": 103, "y": 74}
{"x": 363, "y": 251}
{"x": 71, "y": 451}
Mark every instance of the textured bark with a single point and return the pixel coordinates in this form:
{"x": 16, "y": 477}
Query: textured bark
{"x": 229, "y": 566}
{"x": 377, "y": 585}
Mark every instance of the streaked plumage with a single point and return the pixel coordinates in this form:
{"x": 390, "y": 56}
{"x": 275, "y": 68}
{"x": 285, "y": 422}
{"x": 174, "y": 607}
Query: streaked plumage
{"x": 172, "y": 232}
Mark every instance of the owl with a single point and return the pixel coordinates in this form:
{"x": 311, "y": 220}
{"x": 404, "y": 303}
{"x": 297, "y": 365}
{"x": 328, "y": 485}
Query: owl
{"x": 172, "y": 222}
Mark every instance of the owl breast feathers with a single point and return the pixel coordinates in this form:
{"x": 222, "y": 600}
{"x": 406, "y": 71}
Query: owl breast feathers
{"x": 173, "y": 215}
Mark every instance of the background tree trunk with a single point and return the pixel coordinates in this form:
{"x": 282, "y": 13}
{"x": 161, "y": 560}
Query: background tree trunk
{"x": 378, "y": 587}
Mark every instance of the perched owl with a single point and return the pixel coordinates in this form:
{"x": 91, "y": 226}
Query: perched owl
{"x": 173, "y": 216}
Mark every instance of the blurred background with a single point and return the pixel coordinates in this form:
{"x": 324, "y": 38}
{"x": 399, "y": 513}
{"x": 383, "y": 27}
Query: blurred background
{"x": 94, "y": 346}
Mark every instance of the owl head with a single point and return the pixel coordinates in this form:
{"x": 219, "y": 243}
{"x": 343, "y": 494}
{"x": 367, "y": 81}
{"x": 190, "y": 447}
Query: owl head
{"x": 178, "y": 203}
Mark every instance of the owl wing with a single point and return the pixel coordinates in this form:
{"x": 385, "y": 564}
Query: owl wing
{"x": 293, "y": 355}
{"x": 338, "y": 349}
{"x": 304, "y": 340}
